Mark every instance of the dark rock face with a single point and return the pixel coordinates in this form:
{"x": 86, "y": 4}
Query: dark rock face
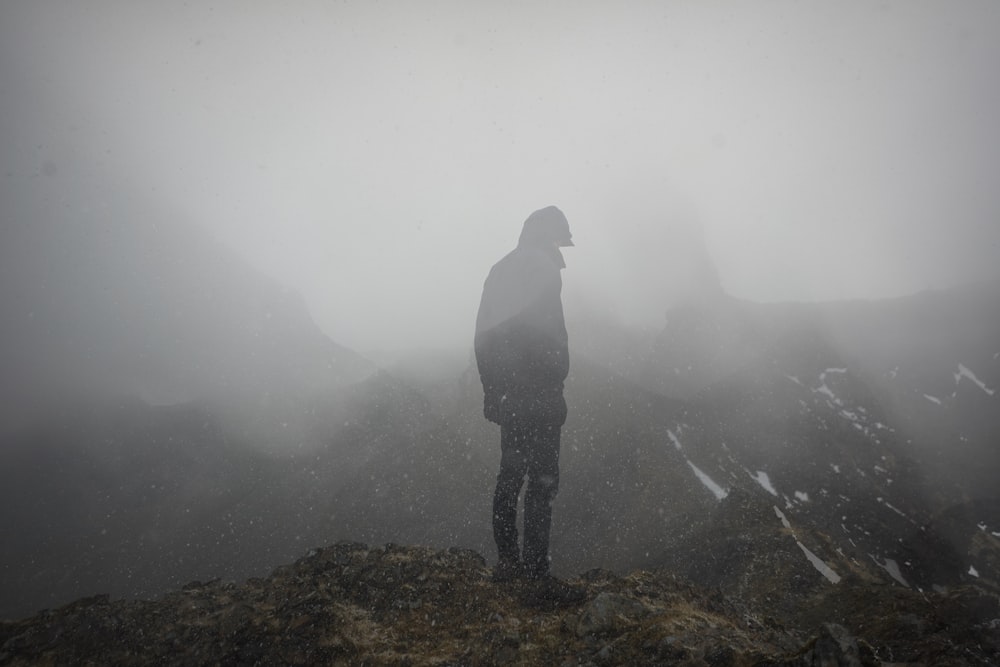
{"x": 871, "y": 427}
{"x": 833, "y": 647}
{"x": 394, "y": 605}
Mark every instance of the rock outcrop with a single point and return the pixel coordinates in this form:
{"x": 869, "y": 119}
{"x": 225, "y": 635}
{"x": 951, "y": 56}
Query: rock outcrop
{"x": 352, "y": 604}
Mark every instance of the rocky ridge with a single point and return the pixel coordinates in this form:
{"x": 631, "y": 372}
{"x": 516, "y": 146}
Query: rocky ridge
{"x": 401, "y": 605}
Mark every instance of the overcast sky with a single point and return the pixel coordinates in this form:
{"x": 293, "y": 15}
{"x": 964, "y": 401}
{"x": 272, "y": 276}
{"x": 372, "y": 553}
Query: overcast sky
{"x": 380, "y": 156}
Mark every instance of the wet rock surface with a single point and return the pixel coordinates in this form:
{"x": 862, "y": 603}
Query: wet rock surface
{"x": 352, "y": 604}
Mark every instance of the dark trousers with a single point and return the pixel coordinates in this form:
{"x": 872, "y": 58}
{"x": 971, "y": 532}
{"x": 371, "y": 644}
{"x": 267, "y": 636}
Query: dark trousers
{"x": 532, "y": 450}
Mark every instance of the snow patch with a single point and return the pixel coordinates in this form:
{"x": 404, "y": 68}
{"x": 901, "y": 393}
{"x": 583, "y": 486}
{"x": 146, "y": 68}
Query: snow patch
{"x": 894, "y": 509}
{"x": 973, "y": 571}
{"x": 826, "y": 391}
{"x": 823, "y": 389}
{"x": 815, "y": 560}
{"x": 765, "y": 481}
{"x": 892, "y": 568}
{"x": 716, "y": 490}
{"x": 932, "y": 399}
{"x": 802, "y": 496}
{"x": 964, "y": 372}
{"x": 820, "y": 564}
{"x": 673, "y": 439}
{"x": 836, "y": 468}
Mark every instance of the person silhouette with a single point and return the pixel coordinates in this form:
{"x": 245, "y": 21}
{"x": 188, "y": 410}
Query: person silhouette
{"x": 522, "y": 354}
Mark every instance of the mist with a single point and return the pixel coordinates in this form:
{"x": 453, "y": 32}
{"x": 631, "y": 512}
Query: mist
{"x": 243, "y": 247}
{"x": 378, "y": 158}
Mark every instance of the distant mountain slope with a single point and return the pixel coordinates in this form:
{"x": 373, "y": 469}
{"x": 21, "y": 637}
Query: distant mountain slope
{"x": 115, "y": 296}
{"x": 144, "y": 370}
{"x": 861, "y": 422}
{"x": 128, "y": 499}
{"x": 133, "y": 499}
{"x": 743, "y": 443}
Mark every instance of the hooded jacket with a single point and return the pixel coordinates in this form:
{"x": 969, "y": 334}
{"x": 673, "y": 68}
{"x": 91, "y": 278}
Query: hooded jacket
{"x": 521, "y": 344}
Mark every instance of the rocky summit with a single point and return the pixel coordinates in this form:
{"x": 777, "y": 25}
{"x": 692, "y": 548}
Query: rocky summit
{"x": 352, "y": 604}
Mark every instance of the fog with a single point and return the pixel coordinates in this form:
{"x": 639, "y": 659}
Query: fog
{"x": 378, "y": 157}
{"x": 242, "y": 247}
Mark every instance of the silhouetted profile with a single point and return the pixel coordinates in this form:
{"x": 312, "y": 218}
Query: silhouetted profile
{"x": 523, "y": 359}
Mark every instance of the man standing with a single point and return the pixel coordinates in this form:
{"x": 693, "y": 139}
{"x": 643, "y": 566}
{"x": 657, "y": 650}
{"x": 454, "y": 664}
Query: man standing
{"x": 523, "y": 359}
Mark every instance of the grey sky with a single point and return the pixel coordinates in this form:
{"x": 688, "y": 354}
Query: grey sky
{"x": 379, "y": 157}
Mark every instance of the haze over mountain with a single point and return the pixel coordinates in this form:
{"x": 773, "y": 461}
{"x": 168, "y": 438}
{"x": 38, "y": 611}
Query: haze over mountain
{"x": 379, "y": 158}
{"x": 801, "y": 430}
{"x": 241, "y": 253}
{"x": 115, "y": 297}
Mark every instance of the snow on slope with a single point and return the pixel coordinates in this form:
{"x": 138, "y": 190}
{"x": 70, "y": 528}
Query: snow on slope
{"x": 710, "y": 484}
{"x": 966, "y": 373}
{"x": 821, "y": 566}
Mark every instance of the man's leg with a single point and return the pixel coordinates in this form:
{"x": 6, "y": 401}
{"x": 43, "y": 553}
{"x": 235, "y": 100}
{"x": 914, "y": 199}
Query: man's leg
{"x": 543, "y": 484}
{"x": 513, "y": 466}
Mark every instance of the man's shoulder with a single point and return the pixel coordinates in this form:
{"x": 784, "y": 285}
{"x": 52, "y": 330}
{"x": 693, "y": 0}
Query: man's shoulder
{"x": 510, "y": 259}
{"x": 526, "y": 261}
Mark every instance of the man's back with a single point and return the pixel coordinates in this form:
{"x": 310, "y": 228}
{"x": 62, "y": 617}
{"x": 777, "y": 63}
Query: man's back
{"x": 521, "y": 342}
